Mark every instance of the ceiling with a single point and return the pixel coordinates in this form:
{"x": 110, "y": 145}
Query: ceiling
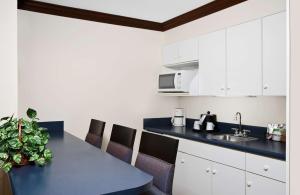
{"x": 152, "y": 10}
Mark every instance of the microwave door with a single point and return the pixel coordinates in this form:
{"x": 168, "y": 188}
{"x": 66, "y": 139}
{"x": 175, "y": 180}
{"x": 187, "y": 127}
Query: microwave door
{"x": 167, "y": 82}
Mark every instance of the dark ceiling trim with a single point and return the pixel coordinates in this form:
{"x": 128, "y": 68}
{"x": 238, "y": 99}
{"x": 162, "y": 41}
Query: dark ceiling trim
{"x": 200, "y": 12}
{"x": 70, "y": 12}
{"x": 77, "y": 13}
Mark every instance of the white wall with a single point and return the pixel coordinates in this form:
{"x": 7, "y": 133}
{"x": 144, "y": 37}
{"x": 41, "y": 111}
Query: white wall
{"x": 75, "y": 70}
{"x": 8, "y": 57}
{"x": 256, "y": 111}
{"x": 294, "y": 106}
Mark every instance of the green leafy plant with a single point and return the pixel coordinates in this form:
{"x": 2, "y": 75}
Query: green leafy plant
{"x": 23, "y": 141}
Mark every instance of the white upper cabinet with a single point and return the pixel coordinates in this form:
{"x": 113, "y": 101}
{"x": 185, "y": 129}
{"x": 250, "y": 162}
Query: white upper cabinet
{"x": 212, "y": 64}
{"x": 244, "y": 59}
{"x": 188, "y": 50}
{"x": 181, "y": 52}
{"x": 274, "y": 55}
{"x": 171, "y": 54}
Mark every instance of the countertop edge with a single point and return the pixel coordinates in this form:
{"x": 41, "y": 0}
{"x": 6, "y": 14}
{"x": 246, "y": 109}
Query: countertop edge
{"x": 268, "y": 154}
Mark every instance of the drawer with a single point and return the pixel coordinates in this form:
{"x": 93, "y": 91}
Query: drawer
{"x": 267, "y": 167}
{"x": 259, "y": 185}
{"x": 214, "y": 153}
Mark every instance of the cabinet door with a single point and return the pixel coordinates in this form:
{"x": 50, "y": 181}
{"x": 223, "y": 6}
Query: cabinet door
{"x": 227, "y": 180}
{"x": 170, "y": 54}
{"x": 244, "y": 59}
{"x": 188, "y": 50}
{"x": 212, "y": 64}
{"x": 258, "y": 185}
{"x": 274, "y": 55}
{"x": 192, "y": 175}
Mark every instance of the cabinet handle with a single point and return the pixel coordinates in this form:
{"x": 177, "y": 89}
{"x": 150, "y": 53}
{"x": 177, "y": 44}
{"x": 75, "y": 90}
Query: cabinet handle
{"x": 222, "y": 88}
{"x": 249, "y": 184}
{"x": 182, "y": 161}
{"x": 228, "y": 88}
{"x": 266, "y": 168}
{"x": 214, "y": 172}
{"x": 207, "y": 170}
{"x": 266, "y": 87}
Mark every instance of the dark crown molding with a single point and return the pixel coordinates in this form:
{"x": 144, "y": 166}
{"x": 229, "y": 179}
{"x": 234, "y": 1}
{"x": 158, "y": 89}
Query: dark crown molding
{"x": 77, "y": 13}
{"x": 71, "y": 12}
{"x": 200, "y": 12}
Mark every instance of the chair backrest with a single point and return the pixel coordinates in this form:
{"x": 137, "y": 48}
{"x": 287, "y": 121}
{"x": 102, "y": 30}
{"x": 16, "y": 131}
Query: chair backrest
{"x": 53, "y": 127}
{"x": 161, "y": 147}
{"x": 157, "y": 156}
{"x": 97, "y": 127}
{"x": 123, "y": 135}
{"x": 95, "y": 133}
{"x": 121, "y": 142}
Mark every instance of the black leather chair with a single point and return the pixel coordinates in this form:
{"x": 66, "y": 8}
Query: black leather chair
{"x": 121, "y": 142}
{"x": 95, "y": 134}
{"x": 55, "y": 128}
{"x": 157, "y": 157}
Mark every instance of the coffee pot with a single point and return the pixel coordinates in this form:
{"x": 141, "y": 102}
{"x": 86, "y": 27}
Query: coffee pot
{"x": 208, "y": 121}
{"x": 178, "y": 119}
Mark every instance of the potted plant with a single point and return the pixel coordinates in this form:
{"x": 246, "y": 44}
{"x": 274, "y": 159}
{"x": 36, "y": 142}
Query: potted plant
{"x": 22, "y": 142}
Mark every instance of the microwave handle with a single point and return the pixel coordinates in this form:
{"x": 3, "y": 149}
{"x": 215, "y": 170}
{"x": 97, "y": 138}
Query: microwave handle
{"x": 175, "y": 80}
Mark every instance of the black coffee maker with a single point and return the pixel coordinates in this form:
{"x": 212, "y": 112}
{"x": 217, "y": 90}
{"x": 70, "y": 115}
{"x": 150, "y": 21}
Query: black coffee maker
{"x": 208, "y": 122}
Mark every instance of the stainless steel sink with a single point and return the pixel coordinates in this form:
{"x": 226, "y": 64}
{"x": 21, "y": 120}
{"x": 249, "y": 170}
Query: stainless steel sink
{"x": 232, "y": 138}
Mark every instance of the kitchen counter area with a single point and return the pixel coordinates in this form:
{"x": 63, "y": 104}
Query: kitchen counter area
{"x": 261, "y": 146}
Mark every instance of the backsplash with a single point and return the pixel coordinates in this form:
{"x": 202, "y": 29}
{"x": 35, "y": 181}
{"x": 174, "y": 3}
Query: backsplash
{"x": 256, "y": 111}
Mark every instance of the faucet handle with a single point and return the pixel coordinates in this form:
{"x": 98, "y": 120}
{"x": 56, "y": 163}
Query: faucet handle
{"x": 236, "y": 131}
{"x": 246, "y": 132}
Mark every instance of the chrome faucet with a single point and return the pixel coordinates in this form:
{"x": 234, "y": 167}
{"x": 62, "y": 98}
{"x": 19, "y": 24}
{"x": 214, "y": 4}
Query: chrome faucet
{"x": 238, "y": 117}
{"x": 240, "y": 131}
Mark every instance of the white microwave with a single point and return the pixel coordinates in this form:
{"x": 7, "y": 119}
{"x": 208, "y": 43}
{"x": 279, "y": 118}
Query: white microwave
{"x": 175, "y": 82}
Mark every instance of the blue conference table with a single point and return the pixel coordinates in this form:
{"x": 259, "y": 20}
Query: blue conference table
{"x": 78, "y": 168}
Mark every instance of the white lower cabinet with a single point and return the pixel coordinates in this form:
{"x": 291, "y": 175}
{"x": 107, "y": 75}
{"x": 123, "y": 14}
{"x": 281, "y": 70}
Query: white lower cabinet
{"x": 227, "y": 180}
{"x": 194, "y": 176}
{"x": 203, "y": 169}
{"x": 267, "y": 167}
{"x": 259, "y": 185}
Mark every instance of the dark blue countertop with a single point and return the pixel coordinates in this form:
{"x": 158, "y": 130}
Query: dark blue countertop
{"x": 78, "y": 168}
{"x": 262, "y": 146}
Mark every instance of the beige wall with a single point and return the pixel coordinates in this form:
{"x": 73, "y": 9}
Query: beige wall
{"x": 8, "y": 57}
{"x": 294, "y": 97}
{"x": 75, "y": 70}
{"x": 256, "y": 111}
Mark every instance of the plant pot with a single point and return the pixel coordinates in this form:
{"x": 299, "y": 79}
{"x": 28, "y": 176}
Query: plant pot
{"x": 24, "y": 162}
